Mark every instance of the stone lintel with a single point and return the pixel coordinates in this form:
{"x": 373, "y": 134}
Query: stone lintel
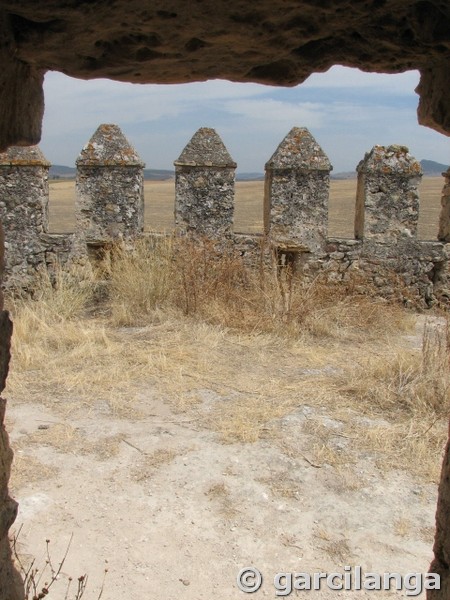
{"x": 291, "y": 247}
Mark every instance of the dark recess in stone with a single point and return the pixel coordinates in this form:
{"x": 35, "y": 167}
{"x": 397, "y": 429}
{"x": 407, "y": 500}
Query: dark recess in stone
{"x": 164, "y": 14}
{"x": 195, "y": 44}
{"x": 282, "y": 68}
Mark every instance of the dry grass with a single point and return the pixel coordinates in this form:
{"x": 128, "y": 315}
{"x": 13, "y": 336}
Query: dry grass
{"x": 69, "y": 440}
{"x": 28, "y": 469}
{"x": 151, "y": 462}
{"x": 274, "y": 345}
{"x": 140, "y": 280}
{"x": 410, "y": 392}
{"x": 427, "y": 534}
{"x": 409, "y": 444}
{"x": 282, "y": 485}
{"x": 246, "y": 418}
{"x": 160, "y": 197}
{"x": 68, "y": 359}
{"x": 404, "y": 381}
{"x": 209, "y": 281}
{"x": 335, "y": 546}
{"x": 403, "y": 526}
{"x": 221, "y": 496}
{"x": 346, "y": 480}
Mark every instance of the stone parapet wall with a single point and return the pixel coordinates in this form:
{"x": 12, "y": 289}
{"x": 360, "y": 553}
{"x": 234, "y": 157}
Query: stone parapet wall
{"x": 385, "y": 253}
{"x": 420, "y": 276}
{"x": 296, "y": 192}
{"x": 416, "y": 273}
{"x": 444, "y": 220}
{"x": 23, "y": 211}
{"x": 413, "y": 272}
{"x": 110, "y": 188}
{"x": 204, "y": 186}
{"x": 387, "y": 198}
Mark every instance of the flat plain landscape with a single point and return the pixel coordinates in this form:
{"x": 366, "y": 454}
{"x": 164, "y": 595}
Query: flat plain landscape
{"x": 159, "y": 206}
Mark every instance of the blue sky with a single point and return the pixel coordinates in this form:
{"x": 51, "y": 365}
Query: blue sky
{"x": 346, "y": 110}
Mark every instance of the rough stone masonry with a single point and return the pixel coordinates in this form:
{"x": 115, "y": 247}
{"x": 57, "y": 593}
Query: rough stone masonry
{"x": 272, "y": 42}
{"x": 387, "y": 198}
{"x": 24, "y": 211}
{"x": 204, "y": 186}
{"x": 109, "y": 188}
{"x": 296, "y": 192}
{"x": 110, "y": 208}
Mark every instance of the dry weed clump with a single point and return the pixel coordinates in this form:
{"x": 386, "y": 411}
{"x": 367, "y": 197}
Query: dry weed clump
{"x": 404, "y": 381}
{"x": 151, "y": 462}
{"x": 140, "y": 280}
{"x": 244, "y": 419}
{"x": 221, "y": 496}
{"x": 411, "y": 392}
{"x": 269, "y": 334}
{"x": 208, "y": 280}
{"x": 65, "y": 438}
{"x": 39, "y": 579}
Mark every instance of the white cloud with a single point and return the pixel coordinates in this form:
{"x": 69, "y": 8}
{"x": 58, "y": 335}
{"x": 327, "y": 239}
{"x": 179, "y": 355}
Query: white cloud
{"x": 344, "y": 77}
{"x": 274, "y": 111}
{"x": 135, "y": 102}
{"x": 347, "y": 111}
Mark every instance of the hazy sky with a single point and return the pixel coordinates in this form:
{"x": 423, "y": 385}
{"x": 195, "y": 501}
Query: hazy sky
{"x": 346, "y": 110}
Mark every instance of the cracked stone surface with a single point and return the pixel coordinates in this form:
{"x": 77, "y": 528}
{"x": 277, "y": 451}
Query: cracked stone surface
{"x": 278, "y": 43}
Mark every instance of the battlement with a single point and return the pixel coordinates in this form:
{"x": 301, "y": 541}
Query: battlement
{"x": 109, "y": 207}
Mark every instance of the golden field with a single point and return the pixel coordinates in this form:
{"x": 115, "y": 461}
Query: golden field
{"x": 159, "y": 202}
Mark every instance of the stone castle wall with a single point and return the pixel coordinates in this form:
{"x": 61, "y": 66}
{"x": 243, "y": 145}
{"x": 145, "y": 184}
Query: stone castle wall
{"x": 110, "y": 188}
{"x": 110, "y": 207}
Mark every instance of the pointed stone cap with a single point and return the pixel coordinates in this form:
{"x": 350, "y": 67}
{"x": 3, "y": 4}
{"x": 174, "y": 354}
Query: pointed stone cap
{"x": 24, "y": 156}
{"x": 109, "y": 147}
{"x": 299, "y": 150}
{"x": 205, "y": 149}
{"x": 390, "y": 160}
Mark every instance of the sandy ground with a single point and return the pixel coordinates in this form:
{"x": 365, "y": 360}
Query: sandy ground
{"x": 174, "y": 513}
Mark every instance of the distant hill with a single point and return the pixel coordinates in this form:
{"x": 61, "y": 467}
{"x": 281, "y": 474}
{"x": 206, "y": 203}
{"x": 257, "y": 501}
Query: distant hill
{"x": 249, "y": 176}
{"x": 158, "y": 174}
{"x": 62, "y": 172}
{"x": 344, "y": 175}
{"x": 431, "y": 168}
